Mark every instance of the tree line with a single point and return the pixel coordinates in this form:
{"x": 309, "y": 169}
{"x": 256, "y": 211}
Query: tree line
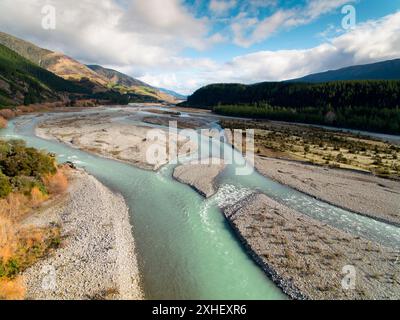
{"x": 367, "y": 105}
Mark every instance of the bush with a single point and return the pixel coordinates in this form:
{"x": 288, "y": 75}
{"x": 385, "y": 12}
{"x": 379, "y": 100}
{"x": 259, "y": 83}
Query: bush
{"x": 23, "y": 161}
{"x": 5, "y": 186}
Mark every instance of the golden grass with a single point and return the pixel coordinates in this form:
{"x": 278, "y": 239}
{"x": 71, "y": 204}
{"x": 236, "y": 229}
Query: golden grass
{"x": 14, "y": 206}
{"x": 21, "y": 247}
{"x": 57, "y": 183}
{"x": 12, "y": 289}
{"x": 7, "y": 239}
{"x": 37, "y": 197}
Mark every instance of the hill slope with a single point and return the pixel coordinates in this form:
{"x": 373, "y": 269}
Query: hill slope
{"x": 367, "y": 105}
{"x": 57, "y": 63}
{"x": 128, "y": 84}
{"x": 22, "y": 81}
{"x": 385, "y": 70}
{"x": 116, "y": 77}
{"x": 177, "y": 95}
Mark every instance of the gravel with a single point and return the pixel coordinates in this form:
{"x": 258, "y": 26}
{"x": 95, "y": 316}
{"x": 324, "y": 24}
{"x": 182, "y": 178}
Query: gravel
{"x": 97, "y": 255}
{"x": 307, "y": 258}
{"x": 364, "y": 194}
{"x": 200, "y": 177}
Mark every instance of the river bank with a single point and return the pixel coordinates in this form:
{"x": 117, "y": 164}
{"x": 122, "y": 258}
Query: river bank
{"x": 97, "y": 258}
{"x": 97, "y": 133}
{"x": 364, "y": 194}
{"x": 200, "y": 175}
{"x": 200, "y": 226}
{"x": 358, "y": 191}
{"x": 310, "y": 260}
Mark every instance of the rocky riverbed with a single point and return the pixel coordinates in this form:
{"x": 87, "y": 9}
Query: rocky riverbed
{"x": 97, "y": 256}
{"x": 310, "y": 260}
{"x": 130, "y": 143}
{"x": 200, "y": 175}
{"x": 365, "y": 194}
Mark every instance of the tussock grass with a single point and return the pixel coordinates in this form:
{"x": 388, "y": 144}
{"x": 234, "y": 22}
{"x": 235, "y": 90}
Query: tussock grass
{"x": 21, "y": 246}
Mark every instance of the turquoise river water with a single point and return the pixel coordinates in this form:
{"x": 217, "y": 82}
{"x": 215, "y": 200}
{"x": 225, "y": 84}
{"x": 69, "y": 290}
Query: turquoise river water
{"x": 186, "y": 249}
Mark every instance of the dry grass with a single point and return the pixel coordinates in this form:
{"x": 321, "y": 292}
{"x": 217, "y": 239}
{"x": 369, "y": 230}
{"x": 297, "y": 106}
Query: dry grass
{"x": 58, "y": 183}
{"x": 7, "y": 238}
{"x": 322, "y": 147}
{"x": 37, "y": 197}
{"x": 15, "y": 206}
{"x": 12, "y": 289}
{"x": 21, "y": 247}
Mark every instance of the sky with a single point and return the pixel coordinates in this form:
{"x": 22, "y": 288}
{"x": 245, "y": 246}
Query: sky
{"x": 185, "y": 44}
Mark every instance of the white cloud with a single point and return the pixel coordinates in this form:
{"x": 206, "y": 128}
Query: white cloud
{"x": 248, "y": 30}
{"x": 145, "y": 39}
{"x": 221, "y": 7}
{"x": 369, "y": 42}
{"x": 134, "y": 32}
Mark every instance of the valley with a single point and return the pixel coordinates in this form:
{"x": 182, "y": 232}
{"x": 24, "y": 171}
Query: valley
{"x": 255, "y": 206}
{"x": 273, "y": 175}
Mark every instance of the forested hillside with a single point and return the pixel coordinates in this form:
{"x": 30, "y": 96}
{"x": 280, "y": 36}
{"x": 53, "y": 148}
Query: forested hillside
{"x": 367, "y": 105}
{"x": 22, "y": 82}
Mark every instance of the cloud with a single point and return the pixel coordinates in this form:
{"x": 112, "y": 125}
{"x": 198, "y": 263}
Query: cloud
{"x": 248, "y": 30}
{"x": 221, "y": 7}
{"x": 141, "y": 33}
{"x": 147, "y": 38}
{"x": 369, "y": 42}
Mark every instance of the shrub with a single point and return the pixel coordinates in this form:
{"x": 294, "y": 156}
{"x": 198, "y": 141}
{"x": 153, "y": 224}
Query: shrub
{"x": 5, "y": 186}
{"x": 23, "y": 161}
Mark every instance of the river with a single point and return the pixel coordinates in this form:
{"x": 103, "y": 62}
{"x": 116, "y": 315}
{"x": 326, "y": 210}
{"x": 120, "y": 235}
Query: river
{"x": 186, "y": 248}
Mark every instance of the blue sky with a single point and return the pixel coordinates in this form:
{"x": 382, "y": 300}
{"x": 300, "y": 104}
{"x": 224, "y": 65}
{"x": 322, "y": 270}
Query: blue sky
{"x": 303, "y": 36}
{"x": 185, "y": 44}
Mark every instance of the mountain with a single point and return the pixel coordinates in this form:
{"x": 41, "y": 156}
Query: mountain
{"x": 116, "y": 77}
{"x": 93, "y": 77}
{"x": 23, "y": 82}
{"x": 385, "y": 70}
{"x": 128, "y": 84}
{"x": 178, "y": 96}
{"x": 57, "y": 63}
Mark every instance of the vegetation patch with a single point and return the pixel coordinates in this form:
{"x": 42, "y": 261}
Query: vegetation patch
{"x": 28, "y": 178}
{"x": 322, "y": 147}
{"x": 365, "y": 105}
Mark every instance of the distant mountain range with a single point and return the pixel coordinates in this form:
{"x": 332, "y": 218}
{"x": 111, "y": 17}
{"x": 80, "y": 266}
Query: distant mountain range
{"x": 174, "y": 94}
{"x": 385, "y": 70}
{"x": 95, "y": 78}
